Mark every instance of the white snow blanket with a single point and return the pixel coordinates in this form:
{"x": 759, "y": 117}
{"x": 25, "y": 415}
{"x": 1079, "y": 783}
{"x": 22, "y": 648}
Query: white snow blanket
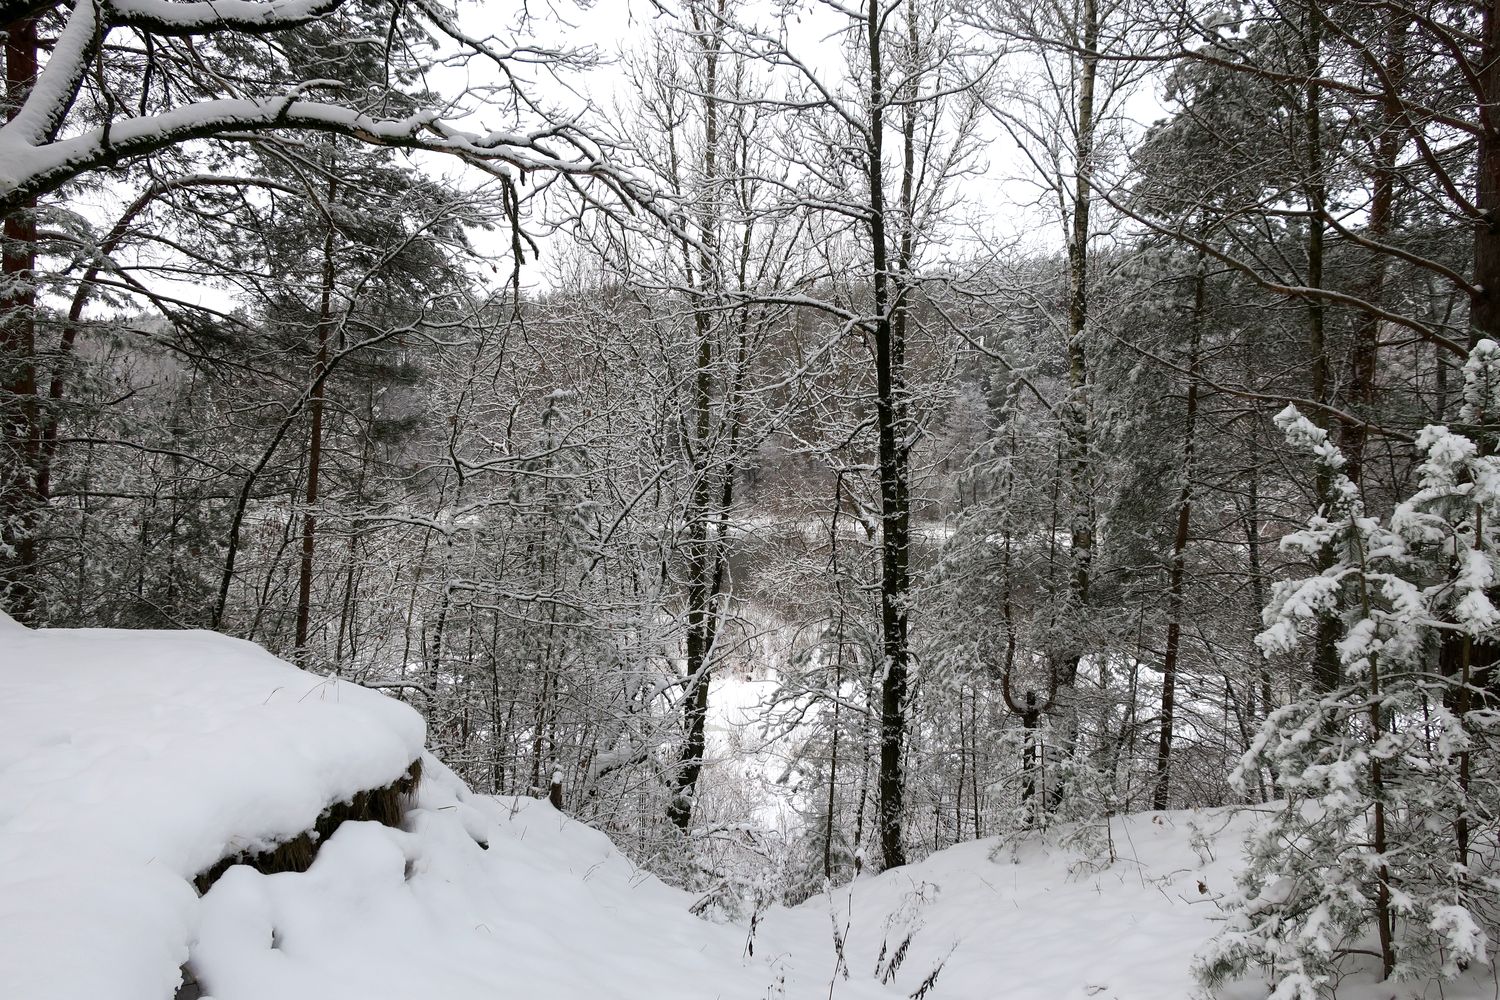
{"x": 1042, "y": 916}
{"x": 131, "y": 761}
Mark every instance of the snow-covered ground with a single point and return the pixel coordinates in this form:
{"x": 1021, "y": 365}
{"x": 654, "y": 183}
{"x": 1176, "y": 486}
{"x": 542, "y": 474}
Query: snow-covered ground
{"x": 1111, "y": 911}
{"x": 131, "y": 761}
{"x": 1045, "y": 917}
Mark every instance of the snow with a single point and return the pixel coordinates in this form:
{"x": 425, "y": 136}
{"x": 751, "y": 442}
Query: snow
{"x": 549, "y": 908}
{"x": 130, "y": 761}
{"x": 739, "y": 750}
{"x": 1039, "y": 917}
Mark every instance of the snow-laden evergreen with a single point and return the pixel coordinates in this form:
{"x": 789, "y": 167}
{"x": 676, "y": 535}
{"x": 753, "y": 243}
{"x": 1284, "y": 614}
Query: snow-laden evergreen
{"x": 1384, "y": 846}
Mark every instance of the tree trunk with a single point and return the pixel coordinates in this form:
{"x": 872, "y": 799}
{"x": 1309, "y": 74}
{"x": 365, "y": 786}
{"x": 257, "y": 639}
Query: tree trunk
{"x": 18, "y": 378}
{"x": 1253, "y": 542}
{"x": 315, "y": 442}
{"x": 1366, "y": 350}
{"x": 702, "y": 555}
{"x": 1162, "y": 793}
{"x": 1484, "y": 303}
{"x": 1076, "y": 412}
{"x": 1327, "y": 672}
{"x": 889, "y": 332}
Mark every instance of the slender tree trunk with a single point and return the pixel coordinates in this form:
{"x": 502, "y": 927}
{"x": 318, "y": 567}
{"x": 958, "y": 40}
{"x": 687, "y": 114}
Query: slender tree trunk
{"x": 1384, "y": 914}
{"x": 1076, "y": 412}
{"x": 1030, "y": 759}
{"x": 1484, "y": 303}
{"x": 890, "y": 418}
{"x": 1327, "y": 673}
{"x": 833, "y": 755}
{"x": 976, "y": 804}
{"x": 315, "y": 441}
{"x": 351, "y": 572}
{"x": 1253, "y": 542}
{"x": 963, "y": 754}
{"x": 1366, "y": 350}
{"x": 702, "y": 556}
{"x": 1162, "y": 794}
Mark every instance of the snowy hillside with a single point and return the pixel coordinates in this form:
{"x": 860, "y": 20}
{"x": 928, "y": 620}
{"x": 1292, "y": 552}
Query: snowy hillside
{"x": 132, "y": 762}
{"x": 1052, "y": 917}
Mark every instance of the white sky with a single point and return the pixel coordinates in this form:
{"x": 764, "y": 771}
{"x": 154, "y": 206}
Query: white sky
{"x": 998, "y": 200}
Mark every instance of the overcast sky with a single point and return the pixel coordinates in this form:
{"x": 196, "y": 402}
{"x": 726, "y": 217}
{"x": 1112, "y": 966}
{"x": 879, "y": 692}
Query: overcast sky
{"x": 999, "y": 200}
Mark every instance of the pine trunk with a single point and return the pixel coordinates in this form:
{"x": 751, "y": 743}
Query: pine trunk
{"x": 19, "y": 406}
{"x": 1162, "y": 793}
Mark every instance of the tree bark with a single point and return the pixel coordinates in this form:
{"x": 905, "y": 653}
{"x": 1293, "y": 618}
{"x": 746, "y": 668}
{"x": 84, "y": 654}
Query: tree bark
{"x": 1162, "y": 794}
{"x": 702, "y": 555}
{"x": 1327, "y": 672}
{"x": 1366, "y": 350}
{"x": 1484, "y": 302}
{"x": 889, "y": 330}
{"x": 19, "y": 406}
{"x": 1076, "y": 413}
{"x": 315, "y": 439}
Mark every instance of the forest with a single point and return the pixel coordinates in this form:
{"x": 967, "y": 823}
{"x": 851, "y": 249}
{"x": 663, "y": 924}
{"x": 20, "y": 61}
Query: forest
{"x": 800, "y": 436}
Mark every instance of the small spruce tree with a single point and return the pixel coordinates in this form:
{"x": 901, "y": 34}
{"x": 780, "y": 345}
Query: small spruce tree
{"x": 1383, "y": 848}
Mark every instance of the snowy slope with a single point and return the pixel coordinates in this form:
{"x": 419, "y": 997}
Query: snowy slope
{"x": 1052, "y": 917}
{"x": 1040, "y": 918}
{"x": 130, "y": 761}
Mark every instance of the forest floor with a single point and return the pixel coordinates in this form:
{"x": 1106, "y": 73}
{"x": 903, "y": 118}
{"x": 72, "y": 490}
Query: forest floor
{"x": 131, "y": 761}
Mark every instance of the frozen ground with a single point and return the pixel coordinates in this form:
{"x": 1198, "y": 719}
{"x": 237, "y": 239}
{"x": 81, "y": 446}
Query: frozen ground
{"x": 129, "y": 761}
{"x": 1045, "y": 917}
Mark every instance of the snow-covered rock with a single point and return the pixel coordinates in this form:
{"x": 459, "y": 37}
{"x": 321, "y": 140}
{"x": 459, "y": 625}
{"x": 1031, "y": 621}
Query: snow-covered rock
{"x": 131, "y": 761}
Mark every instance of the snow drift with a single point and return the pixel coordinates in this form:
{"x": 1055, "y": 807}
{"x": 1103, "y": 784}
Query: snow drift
{"x": 131, "y": 762}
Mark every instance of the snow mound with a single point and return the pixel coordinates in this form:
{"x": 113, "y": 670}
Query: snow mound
{"x": 480, "y": 897}
{"x": 130, "y": 762}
